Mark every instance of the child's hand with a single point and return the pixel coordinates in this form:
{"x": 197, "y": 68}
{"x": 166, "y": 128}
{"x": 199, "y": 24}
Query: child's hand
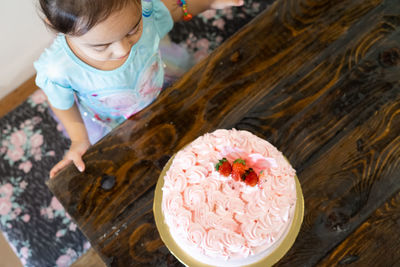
{"x": 220, "y": 4}
{"x": 77, "y": 149}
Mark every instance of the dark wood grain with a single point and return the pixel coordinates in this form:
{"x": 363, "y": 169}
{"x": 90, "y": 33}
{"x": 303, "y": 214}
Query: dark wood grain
{"x": 318, "y": 79}
{"x": 364, "y": 246}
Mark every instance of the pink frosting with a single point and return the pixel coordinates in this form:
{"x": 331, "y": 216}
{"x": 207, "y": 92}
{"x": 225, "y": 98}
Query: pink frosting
{"x": 222, "y": 218}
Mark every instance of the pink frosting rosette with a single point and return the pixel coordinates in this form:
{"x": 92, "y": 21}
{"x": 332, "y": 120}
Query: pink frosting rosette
{"x": 232, "y": 188}
{"x": 200, "y": 213}
{"x": 195, "y": 174}
{"x": 211, "y": 184}
{"x": 175, "y": 180}
{"x": 184, "y": 159}
{"x": 215, "y": 199}
{"x": 196, "y": 234}
{"x": 222, "y": 140}
{"x": 254, "y": 233}
{"x": 235, "y": 205}
{"x": 226, "y": 223}
{"x": 254, "y": 210}
{"x": 212, "y": 243}
{"x": 234, "y": 244}
{"x": 182, "y": 220}
{"x": 193, "y": 196}
{"x": 205, "y": 151}
{"x": 172, "y": 202}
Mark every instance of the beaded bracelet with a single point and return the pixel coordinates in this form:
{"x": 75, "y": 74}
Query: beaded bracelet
{"x": 186, "y": 15}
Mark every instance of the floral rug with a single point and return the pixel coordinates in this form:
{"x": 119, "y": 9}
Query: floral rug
{"x": 37, "y": 227}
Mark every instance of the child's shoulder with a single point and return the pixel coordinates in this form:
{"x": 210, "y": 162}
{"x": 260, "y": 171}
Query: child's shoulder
{"x": 55, "y": 64}
{"x": 54, "y": 54}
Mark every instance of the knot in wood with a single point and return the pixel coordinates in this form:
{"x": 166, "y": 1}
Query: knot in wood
{"x": 390, "y": 57}
{"x": 349, "y": 259}
{"x": 235, "y": 57}
{"x": 107, "y": 182}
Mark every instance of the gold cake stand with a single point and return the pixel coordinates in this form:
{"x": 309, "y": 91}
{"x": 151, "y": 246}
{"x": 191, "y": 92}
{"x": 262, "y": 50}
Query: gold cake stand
{"x": 187, "y": 260}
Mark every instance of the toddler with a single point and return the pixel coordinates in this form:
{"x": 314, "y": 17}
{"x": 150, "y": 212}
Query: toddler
{"x": 104, "y": 65}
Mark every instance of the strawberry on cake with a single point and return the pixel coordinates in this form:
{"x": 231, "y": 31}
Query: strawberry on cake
{"x": 229, "y": 198}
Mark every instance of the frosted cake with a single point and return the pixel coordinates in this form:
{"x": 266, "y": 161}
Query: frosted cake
{"x": 229, "y": 198}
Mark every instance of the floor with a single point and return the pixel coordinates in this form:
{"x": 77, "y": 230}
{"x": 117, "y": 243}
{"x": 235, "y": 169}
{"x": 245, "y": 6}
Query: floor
{"x": 9, "y": 102}
{"x": 7, "y": 256}
{"x": 17, "y": 97}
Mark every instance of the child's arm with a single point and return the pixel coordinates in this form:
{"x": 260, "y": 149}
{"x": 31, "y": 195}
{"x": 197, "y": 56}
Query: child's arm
{"x": 195, "y": 7}
{"x": 73, "y": 123}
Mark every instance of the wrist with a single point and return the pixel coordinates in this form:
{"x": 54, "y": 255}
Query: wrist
{"x": 80, "y": 141}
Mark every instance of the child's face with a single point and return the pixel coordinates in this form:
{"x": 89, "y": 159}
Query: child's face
{"x": 111, "y": 39}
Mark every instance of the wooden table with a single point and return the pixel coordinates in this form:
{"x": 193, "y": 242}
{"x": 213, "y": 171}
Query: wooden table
{"x": 319, "y": 79}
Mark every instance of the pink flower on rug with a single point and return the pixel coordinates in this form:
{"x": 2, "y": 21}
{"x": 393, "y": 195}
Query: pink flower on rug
{"x": 256, "y": 6}
{"x": 36, "y": 140}
{"x": 6, "y": 190}
{"x": 209, "y": 14}
{"x": 18, "y": 138}
{"x": 228, "y": 13}
{"x": 17, "y": 211}
{"x": 25, "y": 166}
{"x": 72, "y": 227}
{"x": 219, "y": 23}
{"x": 15, "y": 154}
{"x": 86, "y": 246}
{"x": 63, "y": 261}
{"x": 23, "y": 184}
{"x": 199, "y": 55}
{"x": 60, "y": 233}
{"x": 203, "y": 44}
{"x": 36, "y": 119}
{"x": 49, "y": 213}
{"x": 60, "y": 127}
{"x": 26, "y": 218}
{"x": 55, "y": 204}
{"x": 219, "y": 39}
{"x": 36, "y": 153}
{"x": 5, "y": 206}
{"x": 38, "y": 97}
{"x": 24, "y": 252}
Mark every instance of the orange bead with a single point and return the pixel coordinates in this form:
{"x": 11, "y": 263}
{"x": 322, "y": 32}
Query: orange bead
{"x": 187, "y": 17}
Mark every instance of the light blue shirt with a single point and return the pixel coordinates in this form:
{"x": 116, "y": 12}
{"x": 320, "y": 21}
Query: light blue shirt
{"x": 108, "y": 95}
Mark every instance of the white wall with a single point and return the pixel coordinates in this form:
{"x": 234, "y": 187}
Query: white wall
{"x": 23, "y": 37}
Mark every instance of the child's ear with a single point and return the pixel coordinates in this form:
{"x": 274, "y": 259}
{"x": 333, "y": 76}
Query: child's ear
{"x": 48, "y": 23}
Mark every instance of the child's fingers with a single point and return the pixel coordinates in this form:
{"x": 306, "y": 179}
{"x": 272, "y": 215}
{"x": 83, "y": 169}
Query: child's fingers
{"x": 220, "y": 4}
{"x": 58, "y": 167}
{"x": 79, "y": 163}
{"x": 238, "y": 2}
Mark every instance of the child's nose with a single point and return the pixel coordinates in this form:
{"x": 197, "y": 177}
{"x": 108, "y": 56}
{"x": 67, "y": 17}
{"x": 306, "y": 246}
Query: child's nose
{"x": 122, "y": 47}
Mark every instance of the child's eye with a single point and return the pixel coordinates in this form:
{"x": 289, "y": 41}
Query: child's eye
{"x": 100, "y": 48}
{"x": 134, "y": 31}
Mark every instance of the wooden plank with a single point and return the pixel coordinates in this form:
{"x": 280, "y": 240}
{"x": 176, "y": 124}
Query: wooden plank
{"x": 357, "y": 164}
{"x": 347, "y": 182}
{"x": 345, "y": 143}
{"x": 89, "y": 259}
{"x": 18, "y": 96}
{"x": 364, "y": 246}
{"x": 230, "y": 86}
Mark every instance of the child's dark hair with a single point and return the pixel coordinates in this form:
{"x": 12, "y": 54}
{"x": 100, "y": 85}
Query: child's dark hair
{"x": 76, "y": 17}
